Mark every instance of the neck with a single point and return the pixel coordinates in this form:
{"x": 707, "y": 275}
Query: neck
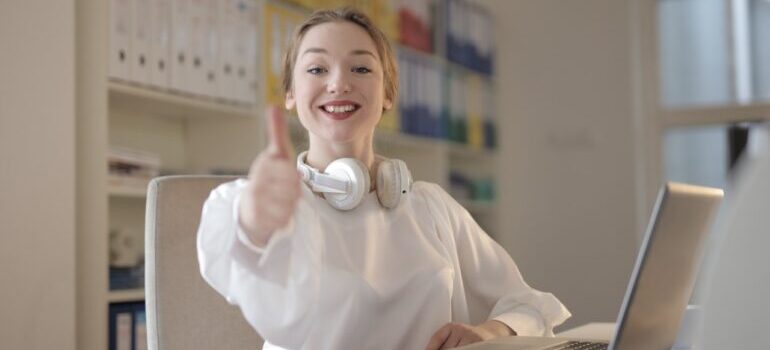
{"x": 321, "y": 152}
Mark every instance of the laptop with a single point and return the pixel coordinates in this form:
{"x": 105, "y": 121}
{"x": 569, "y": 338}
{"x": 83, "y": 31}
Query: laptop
{"x": 662, "y": 280}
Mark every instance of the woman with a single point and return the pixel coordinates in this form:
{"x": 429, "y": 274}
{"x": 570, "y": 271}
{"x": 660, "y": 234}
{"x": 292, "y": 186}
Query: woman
{"x": 395, "y": 265}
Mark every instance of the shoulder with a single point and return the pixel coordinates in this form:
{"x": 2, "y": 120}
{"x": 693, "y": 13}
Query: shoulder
{"x": 429, "y": 190}
{"x": 435, "y": 196}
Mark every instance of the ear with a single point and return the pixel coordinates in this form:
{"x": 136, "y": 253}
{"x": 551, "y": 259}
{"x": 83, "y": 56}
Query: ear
{"x": 387, "y": 104}
{"x": 289, "y": 101}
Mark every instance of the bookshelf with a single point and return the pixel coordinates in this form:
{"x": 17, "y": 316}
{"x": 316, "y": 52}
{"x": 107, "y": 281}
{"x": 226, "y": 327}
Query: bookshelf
{"x": 193, "y": 135}
{"x": 129, "y": 295}
{"x": 126, "y": 192}
{"x": 147, "y": 100}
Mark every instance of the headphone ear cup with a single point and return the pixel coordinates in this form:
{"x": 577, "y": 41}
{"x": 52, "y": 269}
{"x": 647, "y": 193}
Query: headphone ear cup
{"x": 358, "y": 183}
{"x": 393, "y": 181}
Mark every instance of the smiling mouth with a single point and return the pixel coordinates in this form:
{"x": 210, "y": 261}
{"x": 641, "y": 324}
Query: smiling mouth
{"x": 340, "y": 112}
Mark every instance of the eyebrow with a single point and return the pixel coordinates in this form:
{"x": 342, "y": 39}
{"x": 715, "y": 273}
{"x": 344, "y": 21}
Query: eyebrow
{"x": 354, "y": 52}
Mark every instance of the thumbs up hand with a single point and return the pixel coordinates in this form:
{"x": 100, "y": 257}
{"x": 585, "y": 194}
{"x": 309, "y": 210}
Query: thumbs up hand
{"x": 280, "y": 142}
{"x": 274, "y": 186}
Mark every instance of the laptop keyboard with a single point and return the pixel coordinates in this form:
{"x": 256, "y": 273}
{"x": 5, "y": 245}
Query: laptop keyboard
{"x": 580, "y": 345}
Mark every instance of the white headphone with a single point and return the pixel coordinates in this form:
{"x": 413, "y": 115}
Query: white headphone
{"x": 345, "y": 181}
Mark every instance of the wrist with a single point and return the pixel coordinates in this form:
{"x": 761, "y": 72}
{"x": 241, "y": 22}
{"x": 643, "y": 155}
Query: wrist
{"x": 497, "y": 328}
{"x": 254, "y": 235}
{"x": 257, "y": 237}
{"x": 246, "y": 224}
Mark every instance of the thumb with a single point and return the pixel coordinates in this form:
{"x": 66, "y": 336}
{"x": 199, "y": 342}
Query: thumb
{"x": 278, "y": 134}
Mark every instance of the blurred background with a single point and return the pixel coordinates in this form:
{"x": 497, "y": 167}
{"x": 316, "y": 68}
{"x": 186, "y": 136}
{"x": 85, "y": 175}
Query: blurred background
{"x": 553, "y": 122}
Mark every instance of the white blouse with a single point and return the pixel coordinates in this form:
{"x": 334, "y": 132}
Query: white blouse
{"x": 369, "y": 278}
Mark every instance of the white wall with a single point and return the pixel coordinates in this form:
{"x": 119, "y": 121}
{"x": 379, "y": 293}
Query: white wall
{"x": 566, "y": 139}
{"x": 37, "y": 175}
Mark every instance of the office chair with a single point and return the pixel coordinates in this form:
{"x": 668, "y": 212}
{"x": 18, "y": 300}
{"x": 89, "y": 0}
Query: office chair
{"x": 183, "y": 311}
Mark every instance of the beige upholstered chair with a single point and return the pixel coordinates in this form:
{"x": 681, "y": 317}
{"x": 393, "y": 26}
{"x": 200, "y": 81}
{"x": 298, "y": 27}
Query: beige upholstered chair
{"x": 183, "y": 311}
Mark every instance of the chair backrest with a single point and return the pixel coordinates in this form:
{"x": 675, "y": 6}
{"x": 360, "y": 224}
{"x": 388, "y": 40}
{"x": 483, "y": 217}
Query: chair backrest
{"x": 183, "y": 311}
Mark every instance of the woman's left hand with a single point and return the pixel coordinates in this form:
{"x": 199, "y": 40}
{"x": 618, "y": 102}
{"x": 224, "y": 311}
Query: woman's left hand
{"x": 453, "y": 335}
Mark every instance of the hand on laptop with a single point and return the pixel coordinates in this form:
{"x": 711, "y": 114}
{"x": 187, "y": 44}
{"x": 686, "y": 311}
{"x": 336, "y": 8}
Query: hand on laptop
{"x": 453, "y": 335}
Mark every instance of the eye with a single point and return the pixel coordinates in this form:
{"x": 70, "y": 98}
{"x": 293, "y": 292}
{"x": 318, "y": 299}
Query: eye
{"x": 361, "y": 70}
{"x": 316, "y": 70}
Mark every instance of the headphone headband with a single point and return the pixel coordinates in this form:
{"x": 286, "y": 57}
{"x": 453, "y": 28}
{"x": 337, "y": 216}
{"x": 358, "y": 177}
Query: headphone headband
{"x": 318, "y": 181}
{"x": 345, "y": 181}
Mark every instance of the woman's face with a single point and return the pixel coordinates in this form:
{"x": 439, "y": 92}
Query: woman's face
{"x": 338, "y": 83}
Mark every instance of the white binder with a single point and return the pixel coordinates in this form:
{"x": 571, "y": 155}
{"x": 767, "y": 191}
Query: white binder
{"x": 160, "y": 47}
{"x": 246, "y": 56}
{"x": 123, "y": 327}
{"x": 227, "y": 28}
{"x": 252, "y": 68}
{"x": 211, "y": 48}
{"x": 120, "y": 39}
{"x": 140, "y": 42}
{"x": 198, "y": 30}
{"x": 420, "y": 82}
{"x": 180, "y": 45}
{"x": 435, "y": 100}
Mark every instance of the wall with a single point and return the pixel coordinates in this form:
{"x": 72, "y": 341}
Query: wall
{"x": 565, "y": 113}
{"x": 37, "y": 175}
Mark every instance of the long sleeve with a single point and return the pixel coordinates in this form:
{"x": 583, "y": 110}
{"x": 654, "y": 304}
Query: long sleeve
{"x": 368, "y": 278}
{"x": 493, "y": 286}
{"x": 274, "y": 286}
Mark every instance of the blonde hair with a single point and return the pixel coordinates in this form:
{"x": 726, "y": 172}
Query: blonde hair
{"x": 345, "y": 14}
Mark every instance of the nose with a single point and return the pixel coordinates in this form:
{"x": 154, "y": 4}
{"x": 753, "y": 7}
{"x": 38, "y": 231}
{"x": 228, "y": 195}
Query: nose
{"x": 338, "y": 83}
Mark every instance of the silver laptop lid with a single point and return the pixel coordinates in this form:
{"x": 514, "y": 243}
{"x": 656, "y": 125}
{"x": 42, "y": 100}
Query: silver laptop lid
{"x": 666, "y": 267}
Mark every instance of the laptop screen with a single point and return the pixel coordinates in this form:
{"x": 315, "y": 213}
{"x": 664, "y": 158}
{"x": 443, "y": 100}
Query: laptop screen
{"x": 666, "y": 266}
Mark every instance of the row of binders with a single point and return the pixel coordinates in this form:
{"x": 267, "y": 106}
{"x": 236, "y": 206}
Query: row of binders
{"x": 467, "y": 33}
{"x": 462, "y": 31}
{"x": 441, "y": 102}
{"x": 415, "y": 25}
{"x": 381, "y": 12}
{"x": 128, "y": 326}
{"x": 468, "y": 188}
{"x": 196, "y": 47}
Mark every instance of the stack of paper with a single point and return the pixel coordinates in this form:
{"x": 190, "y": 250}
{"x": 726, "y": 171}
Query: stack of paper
{"x": 131, "y": 169}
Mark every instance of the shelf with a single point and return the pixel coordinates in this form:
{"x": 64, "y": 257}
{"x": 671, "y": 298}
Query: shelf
{"x": 127, "y": 192}
{"x": 689, "y": 116}
{"x": 147, "y": 100}
{"x": 463, "y": 151}
{"x": 124, "y": 296}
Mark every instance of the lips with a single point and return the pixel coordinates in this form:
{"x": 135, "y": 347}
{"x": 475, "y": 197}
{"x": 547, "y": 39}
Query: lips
{"x": 339, "y": 110}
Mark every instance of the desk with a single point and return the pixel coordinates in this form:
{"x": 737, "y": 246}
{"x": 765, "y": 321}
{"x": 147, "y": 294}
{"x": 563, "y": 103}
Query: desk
{"x": 594, "y": 330}
{"x": 605, "y": 331}
{"x": 599, "y": 331}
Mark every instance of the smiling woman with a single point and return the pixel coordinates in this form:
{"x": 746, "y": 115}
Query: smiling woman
{"x": 334, "y": 80}
{"x": 356, "y": 256}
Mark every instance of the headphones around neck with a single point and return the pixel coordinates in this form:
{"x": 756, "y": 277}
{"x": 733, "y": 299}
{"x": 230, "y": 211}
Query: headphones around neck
{"x": 345, "y": 181}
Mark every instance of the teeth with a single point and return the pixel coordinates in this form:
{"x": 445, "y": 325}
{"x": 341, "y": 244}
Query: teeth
{"x": 339, "y": 109}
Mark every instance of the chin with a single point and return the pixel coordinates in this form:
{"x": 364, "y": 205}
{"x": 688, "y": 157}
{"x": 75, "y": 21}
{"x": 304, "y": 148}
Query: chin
{"x": 340, "y": 136}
